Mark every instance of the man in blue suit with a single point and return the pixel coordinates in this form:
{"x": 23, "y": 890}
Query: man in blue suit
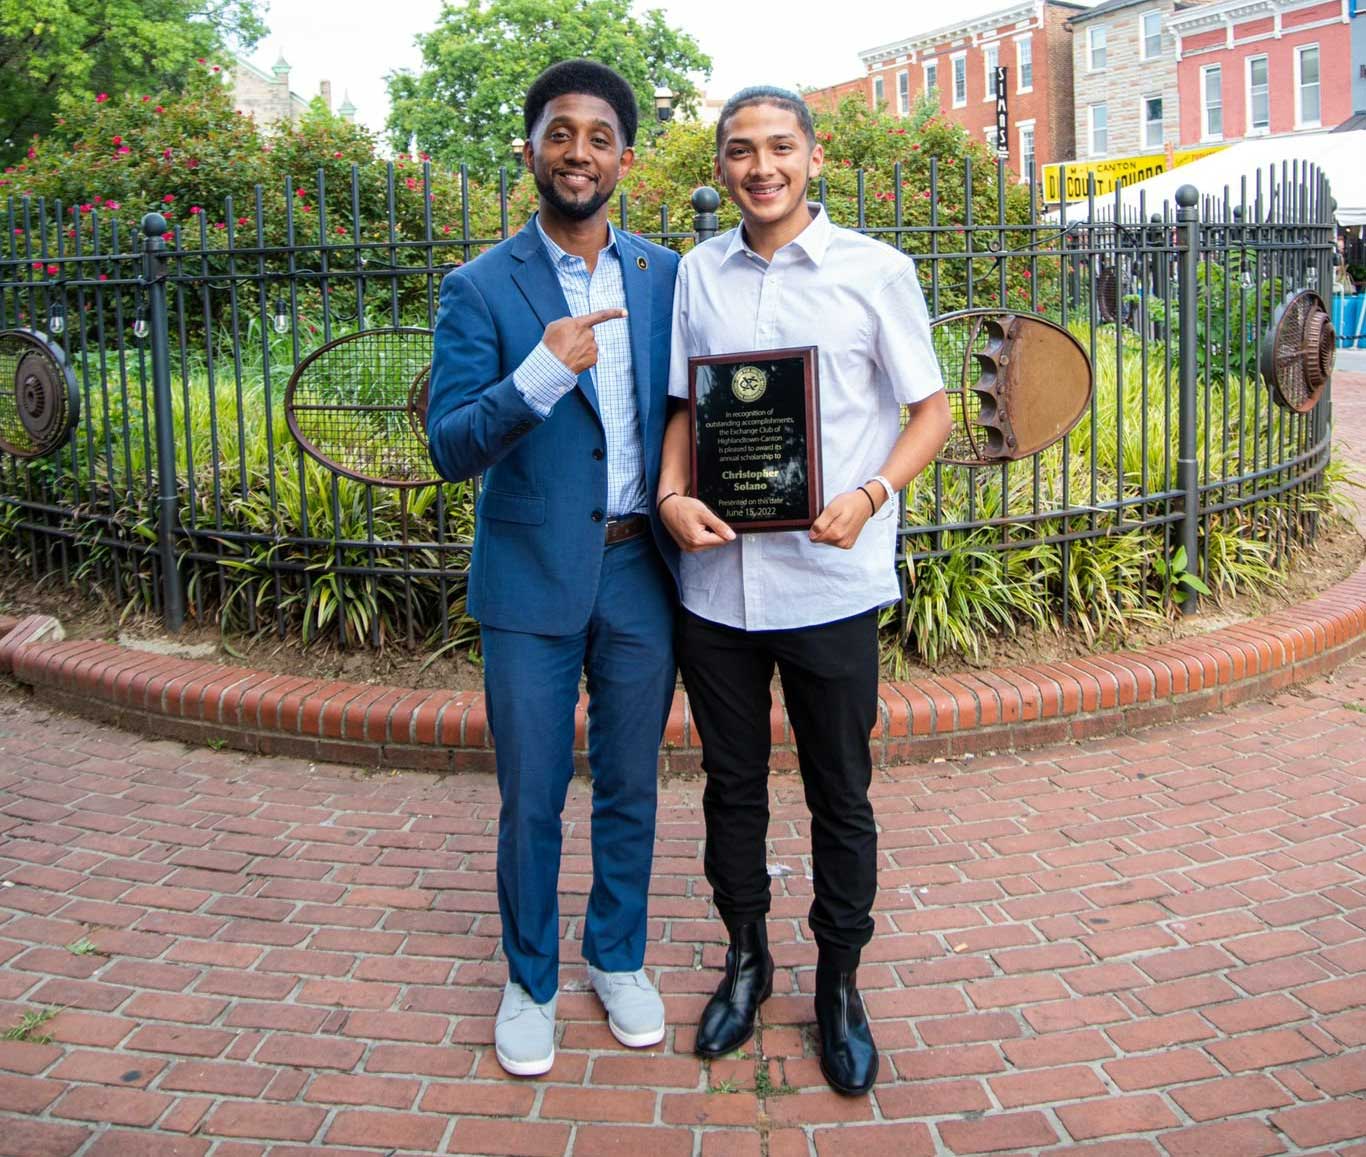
{"x": 549, "y": 376}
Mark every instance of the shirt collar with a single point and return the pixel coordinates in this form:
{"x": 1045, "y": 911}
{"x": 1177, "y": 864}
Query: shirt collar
{"x": 814, "y": 240}
{"x": 557, "y": 255}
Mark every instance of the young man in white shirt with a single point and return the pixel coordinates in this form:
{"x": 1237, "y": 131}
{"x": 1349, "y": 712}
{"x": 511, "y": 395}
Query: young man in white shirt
{"x": 805, "y": 601}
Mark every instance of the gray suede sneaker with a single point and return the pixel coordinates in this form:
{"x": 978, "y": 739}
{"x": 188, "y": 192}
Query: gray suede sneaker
{"x": 524, "y": 1033}
{"x": 635, "y": 1014}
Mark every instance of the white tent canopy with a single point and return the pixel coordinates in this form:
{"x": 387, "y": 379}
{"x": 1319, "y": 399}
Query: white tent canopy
{"x": 1341, "y": 156}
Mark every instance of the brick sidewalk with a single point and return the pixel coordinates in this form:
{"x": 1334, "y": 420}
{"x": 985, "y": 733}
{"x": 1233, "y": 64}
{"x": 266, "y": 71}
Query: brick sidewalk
{"x": 1153, "y": 944}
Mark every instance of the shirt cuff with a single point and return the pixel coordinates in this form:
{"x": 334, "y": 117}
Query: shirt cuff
{"x": 542, "y": 380}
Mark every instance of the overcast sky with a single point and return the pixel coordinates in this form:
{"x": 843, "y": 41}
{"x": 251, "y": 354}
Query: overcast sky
{"x": 355, "y": 43}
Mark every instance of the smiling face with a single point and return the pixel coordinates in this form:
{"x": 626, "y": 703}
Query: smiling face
{"x": 577, "y": 156}
{"x": 766, "y": 162}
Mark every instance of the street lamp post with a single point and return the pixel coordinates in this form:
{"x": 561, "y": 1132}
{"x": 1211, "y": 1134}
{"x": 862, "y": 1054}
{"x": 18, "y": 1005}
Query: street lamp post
{"x": 664, "y": 105}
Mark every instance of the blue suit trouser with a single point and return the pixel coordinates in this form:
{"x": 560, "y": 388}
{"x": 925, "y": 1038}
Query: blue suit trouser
{"x": 531, "y": 685}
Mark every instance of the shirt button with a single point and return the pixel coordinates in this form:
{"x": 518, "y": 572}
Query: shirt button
{"x": 597, "y": 455}
{"x": 597, "y": 516}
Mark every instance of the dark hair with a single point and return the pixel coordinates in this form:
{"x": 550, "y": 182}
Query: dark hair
{"x": 767, "y": 94}
{"x": 589, "y": 78}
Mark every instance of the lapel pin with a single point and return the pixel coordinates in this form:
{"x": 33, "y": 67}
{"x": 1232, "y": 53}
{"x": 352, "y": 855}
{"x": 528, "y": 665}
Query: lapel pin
{"x": 641, "y": 263}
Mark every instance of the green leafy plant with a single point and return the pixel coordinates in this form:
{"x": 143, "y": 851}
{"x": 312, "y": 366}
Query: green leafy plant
{"x": 30, "y": 1027}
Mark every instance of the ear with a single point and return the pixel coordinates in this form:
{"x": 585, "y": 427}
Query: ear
{"x": 817, "y": 162}
{"x": 528, "y": 156}
{"x": 628, "y": 158}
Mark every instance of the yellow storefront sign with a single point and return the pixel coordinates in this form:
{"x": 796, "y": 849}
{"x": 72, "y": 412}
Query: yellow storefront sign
{"x": 1109, "y": 173}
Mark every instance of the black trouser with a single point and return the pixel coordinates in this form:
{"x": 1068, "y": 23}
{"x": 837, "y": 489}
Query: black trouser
{"x": 829, "y": 679}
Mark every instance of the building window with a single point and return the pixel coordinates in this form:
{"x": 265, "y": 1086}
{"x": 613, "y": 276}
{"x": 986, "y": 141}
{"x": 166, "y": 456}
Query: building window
{"x": 879, "y": 92}
{"x": 1150, "y": 33}
{"x": 1026, "y": 152}
{"x": 903, "y": 93}
{"x": 1152, "y": 122}
{"x": 1211, "y": 103}
{"x": 1258, "y": 95}
{"x": 991, "y": 59}
{"x": 959, "y": 63}
{"x": 1307, "y": 86}
{"x": 1024, "y": 65}
{"x": 1098, "y": 116}
{"x": 932, "y": 80}
{"x": 1095, "y": 48}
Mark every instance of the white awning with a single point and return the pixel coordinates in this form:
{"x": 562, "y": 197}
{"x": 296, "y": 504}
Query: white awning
{"x": 1340, "y": 156}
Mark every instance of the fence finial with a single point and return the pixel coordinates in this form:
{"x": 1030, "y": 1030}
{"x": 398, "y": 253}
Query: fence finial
{"x": 154, "y": 225}
{"x": 705, "y": 202}
{"x": 1187, "y": 196}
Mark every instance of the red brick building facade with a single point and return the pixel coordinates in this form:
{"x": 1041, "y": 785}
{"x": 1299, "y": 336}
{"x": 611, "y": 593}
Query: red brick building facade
{"x": 1263, "y": 67}
{"x": 1030, "y": 39}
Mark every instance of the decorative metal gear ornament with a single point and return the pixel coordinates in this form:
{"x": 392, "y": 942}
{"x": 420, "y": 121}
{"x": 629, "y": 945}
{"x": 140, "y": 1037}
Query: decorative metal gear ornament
{"x": 349, "y": 405}
{"x": 1299, "y": 350}
{"x": 1016, "y": 382}
{"x": 39, "y": 413}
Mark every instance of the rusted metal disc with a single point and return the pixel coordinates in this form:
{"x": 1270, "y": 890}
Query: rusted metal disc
{"x": 43, "y": 406}
{"x": 1299, "y": 350}
{"x": 347, "y": 405}
{"x": 1017, "y": 382}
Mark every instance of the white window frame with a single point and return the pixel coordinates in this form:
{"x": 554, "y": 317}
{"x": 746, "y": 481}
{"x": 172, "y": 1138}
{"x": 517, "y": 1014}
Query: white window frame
{"x": 1144, "y": 122}
{"x": 903, "y": 92}
{"x": 991, "y": 61}
{"x": 1205, "y": 134}
{"x": 1251, "y": 129}
{"x": 1021, "y": 128}
{"x": 1143, "y": 53}
{"x": 879, "y": 91}
{"x": 1300, "y": 121}
{"x": 1025, "y": 40}
{"x": 1091, "y": 149}
{"x": 927, "y": 67}
{"x": 955, "y": 60}
{"x": 1092, "y": 48}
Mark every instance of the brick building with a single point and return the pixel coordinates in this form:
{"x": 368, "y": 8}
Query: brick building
{"x": 830, "y": 98}
{"x": 1265, "y": 67}
{"x": 267, "y": 97}
{"x": 955, "y": 64}
{"x": 1124, "y": 79}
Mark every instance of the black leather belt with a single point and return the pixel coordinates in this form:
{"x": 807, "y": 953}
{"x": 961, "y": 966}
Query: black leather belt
{"x": 627, "y": 526}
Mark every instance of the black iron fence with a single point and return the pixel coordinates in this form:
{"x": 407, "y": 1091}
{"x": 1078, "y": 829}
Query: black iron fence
{"x": 181, "y": 491}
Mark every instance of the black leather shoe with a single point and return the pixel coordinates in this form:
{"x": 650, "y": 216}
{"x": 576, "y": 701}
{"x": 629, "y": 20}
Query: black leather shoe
{"x": 848, "y": 1054}
{"x": 728, "y": 1020}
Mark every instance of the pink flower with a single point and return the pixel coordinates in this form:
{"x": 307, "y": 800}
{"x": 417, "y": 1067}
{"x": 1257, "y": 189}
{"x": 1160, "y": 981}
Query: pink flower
{"x": 118, "y": 140}
{"x": 243, "y": 220}
{"x": 105, "y": 276}
{"x": 341, "y": 230}
{"x": 301, "y": 192}
{"x": 195, "y": 210}
{"x": 337, "y": 155}
{"x": 87, "y": 207}
{"x": 38, "y": 265}
{"x": 158, "y": 109}
{"x": 53, "y": 270}
{"x": 306, "y": 208}
{"x": 166, "y": 200}
{"x": 104, "y": 96}
{"x": 111, "y": 204}
{"x": 123, "y": 150}
{"x": 411, "y": 182}
{"x": 192, "y": 163}
{"x": 217, "y": 69}
{"x": 165, "y": 154}
{"x": 200, "y": 60}
{"x": 171, "y": 235}
{"x": 145, "y": 99}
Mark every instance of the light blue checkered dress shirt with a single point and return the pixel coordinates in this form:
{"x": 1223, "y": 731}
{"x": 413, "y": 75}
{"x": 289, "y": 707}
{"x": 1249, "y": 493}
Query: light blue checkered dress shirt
{"x": 543, "y": 379}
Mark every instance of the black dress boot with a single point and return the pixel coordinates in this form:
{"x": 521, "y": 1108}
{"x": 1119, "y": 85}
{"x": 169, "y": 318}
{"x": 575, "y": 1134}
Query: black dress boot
{"x": 848, "y": 1054}
{"x": 728, "y": 1020}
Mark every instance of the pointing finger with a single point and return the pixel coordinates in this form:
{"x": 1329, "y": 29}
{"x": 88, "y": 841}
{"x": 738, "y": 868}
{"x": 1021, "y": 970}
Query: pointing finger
{"x": 597, "y": 317}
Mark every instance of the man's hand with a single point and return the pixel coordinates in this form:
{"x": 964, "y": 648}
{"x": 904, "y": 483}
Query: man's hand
{"x": 839, "y": 523}
{"x": 693, "y": 526}
{"x": 571, "y": 338}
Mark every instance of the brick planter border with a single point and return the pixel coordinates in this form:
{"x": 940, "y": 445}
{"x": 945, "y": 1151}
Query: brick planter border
{"x": 1006, "y": 708}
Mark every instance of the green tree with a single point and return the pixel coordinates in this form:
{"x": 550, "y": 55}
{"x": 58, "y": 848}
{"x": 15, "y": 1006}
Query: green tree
{"x": 465, "y": 105}
{"x": 55, "y": 48}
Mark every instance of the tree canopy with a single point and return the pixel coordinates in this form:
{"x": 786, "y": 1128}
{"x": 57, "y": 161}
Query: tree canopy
{"x": 50, "y": 49}
{"x": 465, "y": 105}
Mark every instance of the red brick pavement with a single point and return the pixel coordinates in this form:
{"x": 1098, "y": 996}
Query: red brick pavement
{"x": 1152, "y": 944}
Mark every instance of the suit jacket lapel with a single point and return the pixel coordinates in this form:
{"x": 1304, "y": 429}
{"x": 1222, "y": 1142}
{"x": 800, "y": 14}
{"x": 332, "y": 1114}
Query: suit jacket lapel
{"x": 535, "y": 278}
{"x": 636, "y": 278}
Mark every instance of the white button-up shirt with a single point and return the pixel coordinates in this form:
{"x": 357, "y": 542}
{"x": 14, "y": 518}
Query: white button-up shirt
{"x": 542, "y": 379}
{"x": 858, "y": 301}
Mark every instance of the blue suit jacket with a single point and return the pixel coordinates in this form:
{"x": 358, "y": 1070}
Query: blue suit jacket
{"x": 540, "y": 524}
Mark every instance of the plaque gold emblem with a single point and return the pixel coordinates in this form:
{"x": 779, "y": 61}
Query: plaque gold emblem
{"x": 749, "y": 383}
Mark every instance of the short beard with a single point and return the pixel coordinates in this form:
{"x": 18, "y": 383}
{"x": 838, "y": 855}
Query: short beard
{"x": 573, "y": 210}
